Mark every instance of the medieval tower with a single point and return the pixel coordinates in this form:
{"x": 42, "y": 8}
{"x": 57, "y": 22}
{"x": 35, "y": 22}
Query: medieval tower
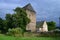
{"x": 32, "y": 15}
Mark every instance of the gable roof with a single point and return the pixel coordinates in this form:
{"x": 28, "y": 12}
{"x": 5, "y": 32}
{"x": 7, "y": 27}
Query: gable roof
{"x": 29, "y": 7}
{"x": 40, "y": 24}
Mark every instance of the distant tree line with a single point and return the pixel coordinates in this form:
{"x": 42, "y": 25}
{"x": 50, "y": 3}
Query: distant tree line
{"x": 51, "y": 25}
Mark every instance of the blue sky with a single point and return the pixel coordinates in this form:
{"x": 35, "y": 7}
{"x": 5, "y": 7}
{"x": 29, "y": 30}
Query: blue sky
{"x": 45, "y": 9}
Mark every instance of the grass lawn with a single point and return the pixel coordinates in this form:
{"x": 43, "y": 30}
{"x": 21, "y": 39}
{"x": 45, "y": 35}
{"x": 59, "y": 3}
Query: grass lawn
{"x": 2, "y": 37}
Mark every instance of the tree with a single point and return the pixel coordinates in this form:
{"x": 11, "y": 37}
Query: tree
{"x": 18, "y": 19}
{"x": 5, "y": 26}
{"x": 51, "y": 25}
{"x": 1, "y": 24}
{"x": 21, "y": 19}
{"x": 9, "y": 20}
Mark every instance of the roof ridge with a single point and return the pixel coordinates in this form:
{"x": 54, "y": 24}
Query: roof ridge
{"x": 29, "y": 7}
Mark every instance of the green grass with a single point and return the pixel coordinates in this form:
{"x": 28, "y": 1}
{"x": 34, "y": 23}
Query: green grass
{"x": 2, "y": 37}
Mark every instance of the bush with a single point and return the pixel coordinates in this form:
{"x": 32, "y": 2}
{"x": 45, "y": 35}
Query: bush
{"x": 15, "y": 32}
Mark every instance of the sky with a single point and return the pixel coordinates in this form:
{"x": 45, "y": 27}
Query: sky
{"x": 48, "y": 10}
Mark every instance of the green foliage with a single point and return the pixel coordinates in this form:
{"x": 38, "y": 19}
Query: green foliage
{"x": 21, "y": 18}
{"x": 18, "y": 19}
{"x": 51, "y": 25}
{"x": 9, "y": 20}
{"x": 1, "y": 23}
{"x": 15, "y": 32}
{"x": 3, "y": 26}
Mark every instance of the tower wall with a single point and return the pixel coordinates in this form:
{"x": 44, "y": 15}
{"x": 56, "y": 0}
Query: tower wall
{"x": 32, "y": 25}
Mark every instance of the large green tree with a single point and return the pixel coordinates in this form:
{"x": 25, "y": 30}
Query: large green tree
{"x": 9, "y": 21}
{"x": 51, "y": 25}
{"x": 18, "y": 19}
{"x": 21, "y": 18}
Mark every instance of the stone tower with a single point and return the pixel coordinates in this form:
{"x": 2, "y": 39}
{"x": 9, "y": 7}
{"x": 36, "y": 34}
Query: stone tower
{"x": 31, "y": 14}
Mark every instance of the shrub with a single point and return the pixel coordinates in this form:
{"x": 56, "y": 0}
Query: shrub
{"x": 15, "y": 32}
